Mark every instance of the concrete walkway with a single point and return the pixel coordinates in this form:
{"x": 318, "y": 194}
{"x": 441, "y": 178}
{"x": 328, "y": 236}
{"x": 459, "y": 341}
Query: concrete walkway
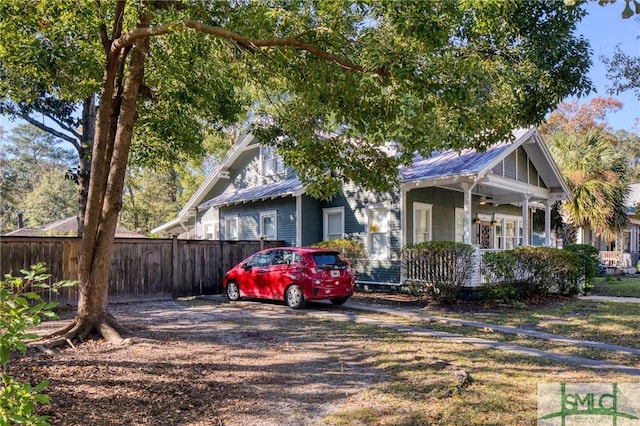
{"x": 611, "y": 299}
{"x": 421, "y": 314}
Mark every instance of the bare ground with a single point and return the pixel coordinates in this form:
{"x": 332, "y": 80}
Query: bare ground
{"x": 204, "y": 363}
{"x": 212, "y": 362}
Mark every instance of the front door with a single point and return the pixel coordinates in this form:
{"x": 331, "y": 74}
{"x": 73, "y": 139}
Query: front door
{"x": 485, "y": 235}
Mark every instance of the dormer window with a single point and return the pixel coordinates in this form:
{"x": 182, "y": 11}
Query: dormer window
{"x": 272, "y": 163}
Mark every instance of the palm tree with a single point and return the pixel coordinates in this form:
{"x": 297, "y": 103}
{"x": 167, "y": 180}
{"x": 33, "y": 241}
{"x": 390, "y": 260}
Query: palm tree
{"x": 596, "y": 174}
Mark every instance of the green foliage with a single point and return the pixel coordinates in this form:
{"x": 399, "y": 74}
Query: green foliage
{"x": 525, "y": 272}
{"x": 438, "y": 269}
{"x": 18, "y": 402}
{"x": 597, "y": 174}
{"x": 351, "y": 250}
{"x": 589, "y": 260}
{"x": 33, "y": 179}
{"x": 429, "y": 75}
{"x": 20, "y": 309}
{"x": 53, "y": 198}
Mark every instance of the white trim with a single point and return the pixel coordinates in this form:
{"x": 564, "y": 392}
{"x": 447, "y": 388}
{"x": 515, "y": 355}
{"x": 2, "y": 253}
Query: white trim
{"x": 369, "y": 233}
{"x": 269, "y": 213}
{"x": 215, "y": 228}
{"x": 423, "y": 207}
{"x": 227, "y": 220}
{"x": 457, "y": 212}
{"x": 276, "y": 159}
{"x": 234, "y": 152}
{"x": 326, "y": 212}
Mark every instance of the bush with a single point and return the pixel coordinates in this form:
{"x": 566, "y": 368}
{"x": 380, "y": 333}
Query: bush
{"x": 438, "y": 269}
{"x": 351, "y": 250}
{"x": 526, "y": 272}
{"x": 589, "y": 261}
{"x": 20, "y": 309}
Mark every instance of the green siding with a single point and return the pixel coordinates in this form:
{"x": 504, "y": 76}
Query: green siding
{"x": 249, "y": 218}
{"x": 311, "y": 221}
{"x": 523, "y": 163}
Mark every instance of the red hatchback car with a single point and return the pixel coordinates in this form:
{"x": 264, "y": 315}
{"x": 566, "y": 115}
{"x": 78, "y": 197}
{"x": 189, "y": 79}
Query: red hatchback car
{"x": 292, "y": 274}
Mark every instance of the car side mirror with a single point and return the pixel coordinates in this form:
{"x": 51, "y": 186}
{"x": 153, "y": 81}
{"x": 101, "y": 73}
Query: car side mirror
{"x": 246, "y": 266}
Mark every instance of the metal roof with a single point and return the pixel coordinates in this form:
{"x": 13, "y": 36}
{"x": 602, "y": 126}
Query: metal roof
{"x": 451, "y": 163}
{"x": 442, "y": 164}
{"x": 283, "y": 188}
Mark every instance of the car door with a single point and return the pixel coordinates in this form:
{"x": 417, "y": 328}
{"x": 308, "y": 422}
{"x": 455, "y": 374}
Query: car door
{"x": 255, "y": 275}
{"x": 279, "y": 272}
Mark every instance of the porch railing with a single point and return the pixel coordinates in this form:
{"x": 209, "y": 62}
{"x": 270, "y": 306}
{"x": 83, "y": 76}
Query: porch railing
{"x": 616, "y": 258}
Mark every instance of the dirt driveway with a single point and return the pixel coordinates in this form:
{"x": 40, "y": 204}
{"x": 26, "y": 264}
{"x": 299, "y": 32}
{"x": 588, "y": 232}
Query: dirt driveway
{"x": 207, "y": 363}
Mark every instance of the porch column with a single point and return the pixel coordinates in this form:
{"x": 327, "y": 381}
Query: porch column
{"x": 547, "y": 223}
{"x": 525, "y": 219}
{"x": 466, "y": 188}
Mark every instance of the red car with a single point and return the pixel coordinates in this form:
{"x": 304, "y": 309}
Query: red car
{"x": 292, "y": 274}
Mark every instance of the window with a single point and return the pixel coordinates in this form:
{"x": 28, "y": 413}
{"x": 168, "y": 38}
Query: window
{"x": 421, "y": 222}
{"x": 260, "y": 259}
{"x": 512, "y": 237}
{"x": 268, "y": 225}
{"x": 378, "y": 233}
{"x": 272, "y": 163}
{"x": 333, "y": 223}
{"x": 231, "y": 228}
{"x": 210, "y": 230}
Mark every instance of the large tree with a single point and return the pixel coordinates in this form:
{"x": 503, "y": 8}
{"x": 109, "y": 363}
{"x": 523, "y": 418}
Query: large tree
{"x": 336, "y": 79}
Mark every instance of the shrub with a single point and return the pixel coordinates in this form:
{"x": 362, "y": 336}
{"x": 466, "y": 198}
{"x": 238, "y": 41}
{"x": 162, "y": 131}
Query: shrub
{"x": 351, "y": 250}
{"x": 589, "y": 261}
{"x": 438, "y": 269}
{"x": 20, "y": 309}
{"x": 525, "y": 272}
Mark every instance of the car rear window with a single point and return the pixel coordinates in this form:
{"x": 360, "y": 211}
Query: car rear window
{"x": 327, "y": 260}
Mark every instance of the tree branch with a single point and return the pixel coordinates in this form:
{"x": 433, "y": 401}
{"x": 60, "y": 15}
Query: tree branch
{"x": 246, "y": 42}
{"x": 51, "y": 130}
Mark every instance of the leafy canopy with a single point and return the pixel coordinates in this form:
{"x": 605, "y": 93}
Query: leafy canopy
{"x": 338, "y": 79}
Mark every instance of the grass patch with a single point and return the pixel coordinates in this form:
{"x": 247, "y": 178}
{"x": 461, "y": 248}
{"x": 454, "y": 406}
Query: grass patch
{"x": 419, "y": 391}
{"x": 608, "y": 322}
{"x": 619, "y": 286}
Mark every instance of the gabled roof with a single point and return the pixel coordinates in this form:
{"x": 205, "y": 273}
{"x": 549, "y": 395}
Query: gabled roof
{"x": 452, "y": 163}
{"x": 477, "y": 166}
{"x": 243, "y": 142}
{"x": 284, "y": 188}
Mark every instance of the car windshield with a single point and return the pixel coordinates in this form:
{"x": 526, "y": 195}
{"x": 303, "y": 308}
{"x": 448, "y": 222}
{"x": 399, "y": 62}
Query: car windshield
{"x": 328, "y": 260}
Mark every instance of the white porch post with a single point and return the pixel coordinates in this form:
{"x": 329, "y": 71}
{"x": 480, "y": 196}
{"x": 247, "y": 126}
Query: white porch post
{"x": 466, "y": 188}
{"x": 525, "y": 219}
{"x": 547, "y": 223}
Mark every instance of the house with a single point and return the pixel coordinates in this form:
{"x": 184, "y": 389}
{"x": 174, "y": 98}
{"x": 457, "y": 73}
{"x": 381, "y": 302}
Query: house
{"x": 487, "y": 199}
{"x": 622, "y": 255}
{"x": 65, "y": 227}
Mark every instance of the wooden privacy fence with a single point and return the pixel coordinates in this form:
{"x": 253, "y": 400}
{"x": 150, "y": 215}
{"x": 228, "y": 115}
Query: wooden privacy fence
{"x": 140, "y": 267}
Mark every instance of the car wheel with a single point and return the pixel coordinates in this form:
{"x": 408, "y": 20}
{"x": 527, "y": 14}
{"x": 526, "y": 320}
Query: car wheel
{"x": 233, "y": 291}
{"x": 338, "y": 300}
{"x": 294, "y": 297}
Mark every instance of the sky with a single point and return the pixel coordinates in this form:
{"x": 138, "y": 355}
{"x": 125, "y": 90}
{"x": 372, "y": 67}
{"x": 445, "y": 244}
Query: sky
{"x": 605, "y": 29}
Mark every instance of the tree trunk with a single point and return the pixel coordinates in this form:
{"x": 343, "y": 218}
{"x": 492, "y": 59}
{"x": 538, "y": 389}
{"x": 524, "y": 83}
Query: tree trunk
{"x": 84, "y": 159}
{"x": 113, "y": 133}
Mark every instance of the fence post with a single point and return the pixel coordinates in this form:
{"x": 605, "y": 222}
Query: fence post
{"x": 174, "y": 265}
